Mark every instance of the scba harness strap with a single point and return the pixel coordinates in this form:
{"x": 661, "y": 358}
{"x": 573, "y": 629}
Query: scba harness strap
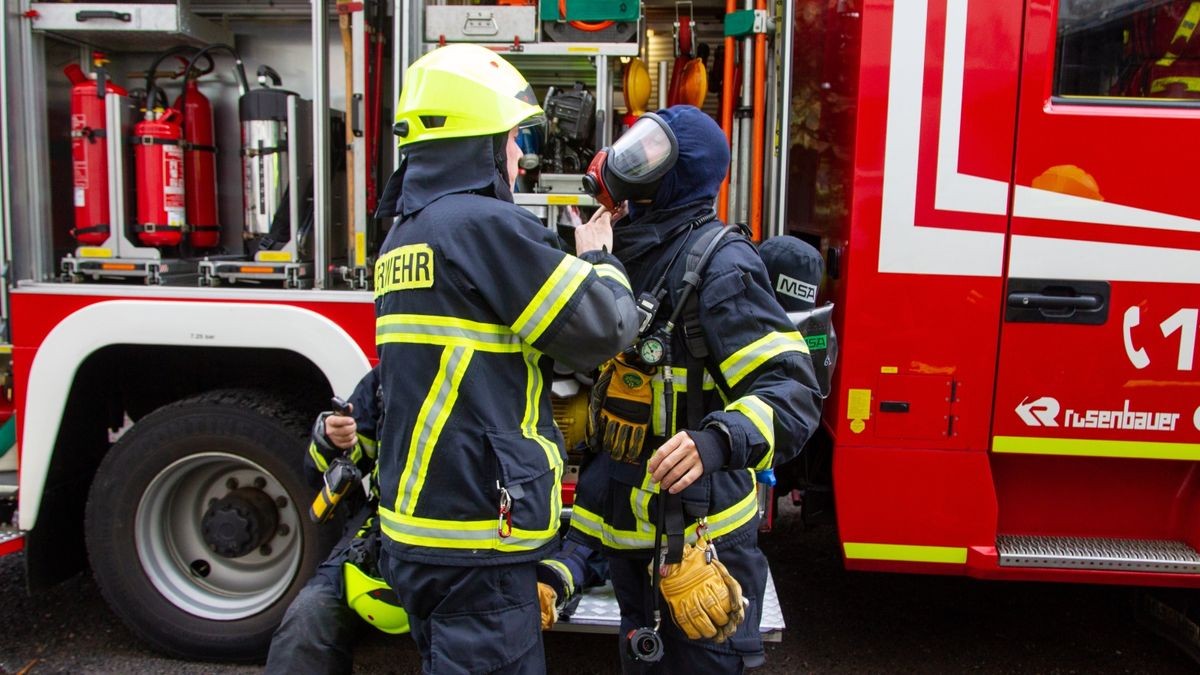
{"x": 672, "y": 518}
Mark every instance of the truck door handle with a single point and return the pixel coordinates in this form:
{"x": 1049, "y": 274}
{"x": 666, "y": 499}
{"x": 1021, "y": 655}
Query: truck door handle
{"x": 1042, "y": 301}
{"x": 103, "y": 14}
{"x": 1057, "y": 301}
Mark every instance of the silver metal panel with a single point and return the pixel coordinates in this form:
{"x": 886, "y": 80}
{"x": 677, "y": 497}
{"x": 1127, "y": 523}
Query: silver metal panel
{"x": 321, "y": 173}
{"x": 358, "y": 219}
{"x": 1142, "y": 555}
{"x": 784, "y": 113}
{"x": 5, "y": 186}
{"x": 137, "y": 26}
{"x": 480, "y": 24}
{"x": 31, "y": 171}
{"x": 598, "y": 613}
{"x": 8, "y": 483}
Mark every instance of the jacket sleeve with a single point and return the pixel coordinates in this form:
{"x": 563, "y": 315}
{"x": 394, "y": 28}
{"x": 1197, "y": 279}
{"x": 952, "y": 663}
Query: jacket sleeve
{"x": 762, "y": 366}
{"x": 577, "y": 310}
{"x": 367, "y": 411}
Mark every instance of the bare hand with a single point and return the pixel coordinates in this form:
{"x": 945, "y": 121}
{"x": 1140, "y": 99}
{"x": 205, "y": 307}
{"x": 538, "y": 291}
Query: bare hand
{"x": 595, "y": 233}
{"x": 676, "y": 464}
{"x": 341, "y": 430}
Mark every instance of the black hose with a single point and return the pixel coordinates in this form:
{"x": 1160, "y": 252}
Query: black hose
{"x": 238, "y": 69}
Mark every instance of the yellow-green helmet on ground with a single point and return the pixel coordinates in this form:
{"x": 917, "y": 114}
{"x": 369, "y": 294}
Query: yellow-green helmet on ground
{"x": 374, "y": 600}
{"x": 462, "y": 90}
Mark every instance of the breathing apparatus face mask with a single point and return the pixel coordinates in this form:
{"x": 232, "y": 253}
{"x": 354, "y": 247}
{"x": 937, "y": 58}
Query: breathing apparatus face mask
{"x": 632, "y": 168}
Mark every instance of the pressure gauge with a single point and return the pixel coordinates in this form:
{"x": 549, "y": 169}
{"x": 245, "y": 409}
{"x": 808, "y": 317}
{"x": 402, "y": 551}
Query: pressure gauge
{"x": 651, "y": 350}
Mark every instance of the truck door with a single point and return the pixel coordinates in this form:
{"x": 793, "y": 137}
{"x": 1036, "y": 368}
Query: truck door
{"x": 1096, "y": 425}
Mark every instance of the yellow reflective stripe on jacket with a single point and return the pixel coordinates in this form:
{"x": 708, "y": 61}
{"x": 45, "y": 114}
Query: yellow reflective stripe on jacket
{"x": 719, "y": 524}
{"x": 443, "y": 393}
{"x": 460, "y": 534}
{"x": 639, "y": 503}
{"x": 529, "y": 426}
{"x": 563, "y": 572}
{"x": 679, "y": 385}
{"x": 762, "y": 416}
{"x": 747, "y": 359}
{"x": 1187, "y": 26}
{"x": 317, "y": 458}
{"x": 551, "y": 298}
{"x": 445, "y": 331}
{"x": 608, "y": 271}
{"x": 355, "y": 454}
{"x": 369, "y": 447}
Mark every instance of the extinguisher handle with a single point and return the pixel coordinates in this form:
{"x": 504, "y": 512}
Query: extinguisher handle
{"x": 265, "y": 71}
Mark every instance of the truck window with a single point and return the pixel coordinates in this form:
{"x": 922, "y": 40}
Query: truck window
{"x": 1128, "y": 50}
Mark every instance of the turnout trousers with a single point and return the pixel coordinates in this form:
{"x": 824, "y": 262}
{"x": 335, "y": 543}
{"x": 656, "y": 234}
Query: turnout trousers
{"x": 471, "y": 619}
{"x": 319, "y": 629}
{"x": 631, "y": 581}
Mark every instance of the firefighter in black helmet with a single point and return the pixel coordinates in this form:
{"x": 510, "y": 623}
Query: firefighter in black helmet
{"x": 474, "y": 303}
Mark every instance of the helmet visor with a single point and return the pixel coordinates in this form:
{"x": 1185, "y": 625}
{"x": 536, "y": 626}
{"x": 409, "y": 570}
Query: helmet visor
{"x": 646, "y": 152}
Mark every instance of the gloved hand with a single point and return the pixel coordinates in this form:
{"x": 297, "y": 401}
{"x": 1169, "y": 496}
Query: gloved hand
{"x": 705, "y": 601}
{"x": 619, "y": 410}
{"x": 332, "y": 436}
{"x": 548, "y": 600}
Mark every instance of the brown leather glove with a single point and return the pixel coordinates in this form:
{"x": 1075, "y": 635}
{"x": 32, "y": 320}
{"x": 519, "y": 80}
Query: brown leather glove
{"x": 548, "y": 599}
{"x": 705, "y": 601}
{"x": 619, "y": 410}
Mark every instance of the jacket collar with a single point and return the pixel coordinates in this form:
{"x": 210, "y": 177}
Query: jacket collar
{"x": 634, "y": 238}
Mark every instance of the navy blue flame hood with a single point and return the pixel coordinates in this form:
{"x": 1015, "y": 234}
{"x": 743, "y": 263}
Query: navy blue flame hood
{"x": 433, "y": 169}
{"x": 702, "y": 165}
{"x": 688, "y": 191}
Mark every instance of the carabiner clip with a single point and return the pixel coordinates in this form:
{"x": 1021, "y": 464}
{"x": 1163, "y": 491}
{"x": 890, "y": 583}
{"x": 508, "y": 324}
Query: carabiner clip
{"x": 505, "y": 523}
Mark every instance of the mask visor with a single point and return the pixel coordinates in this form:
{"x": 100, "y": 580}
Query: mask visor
{"x": 645, "y": 153}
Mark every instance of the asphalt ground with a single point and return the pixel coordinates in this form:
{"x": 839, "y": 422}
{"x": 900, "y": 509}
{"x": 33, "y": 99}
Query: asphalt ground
{"x": 838, "y": 622}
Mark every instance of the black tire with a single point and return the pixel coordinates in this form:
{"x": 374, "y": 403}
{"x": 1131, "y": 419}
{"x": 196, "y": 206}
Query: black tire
{"x": 144, "y": 516}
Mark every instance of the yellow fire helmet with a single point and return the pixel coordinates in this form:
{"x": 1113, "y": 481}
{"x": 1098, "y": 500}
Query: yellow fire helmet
{"x": 374, "y": 600}
{"x": 463, "y": 90}
{"x": 636, "y": 87}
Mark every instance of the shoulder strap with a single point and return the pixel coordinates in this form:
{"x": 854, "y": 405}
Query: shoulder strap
{"x": 693, "y": 276}
{"x": 693, "y": 333}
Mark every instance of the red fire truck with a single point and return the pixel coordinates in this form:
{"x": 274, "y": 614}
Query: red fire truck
{"x": 1001, "y": 192}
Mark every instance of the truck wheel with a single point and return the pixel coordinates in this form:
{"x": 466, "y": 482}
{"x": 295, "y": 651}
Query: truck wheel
{"x": 197, "y": 525}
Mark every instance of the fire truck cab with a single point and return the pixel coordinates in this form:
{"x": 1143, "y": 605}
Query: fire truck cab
{"x": 1001, "y": 192}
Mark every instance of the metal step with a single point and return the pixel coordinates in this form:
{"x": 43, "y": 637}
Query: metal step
{"x": 1138, "y": 555}
{"x": 8, "y": 483}
{"x": 598, "y": 613}
{"x": 11, "y": 541}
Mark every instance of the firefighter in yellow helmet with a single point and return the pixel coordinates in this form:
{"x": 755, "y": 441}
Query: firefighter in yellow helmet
{"x": 474, "y": 303}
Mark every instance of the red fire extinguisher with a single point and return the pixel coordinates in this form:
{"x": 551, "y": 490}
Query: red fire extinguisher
{"x": 158, "y": 157}
{"x": 89, "y": 150}
{"x": 199, "y": 158}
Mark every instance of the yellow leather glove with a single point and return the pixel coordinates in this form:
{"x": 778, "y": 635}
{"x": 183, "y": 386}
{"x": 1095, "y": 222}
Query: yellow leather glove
{"x": 619, "y": 410}
{"x": 705, "y": 601}
{"x": 547, "y": 598}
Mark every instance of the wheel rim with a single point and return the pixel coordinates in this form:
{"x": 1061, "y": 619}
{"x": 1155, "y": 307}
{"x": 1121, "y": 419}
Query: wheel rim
{"x": 179, "y": 562}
